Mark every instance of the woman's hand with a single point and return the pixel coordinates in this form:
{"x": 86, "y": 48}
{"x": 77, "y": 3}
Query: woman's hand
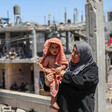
{"x": 56, "y": 70}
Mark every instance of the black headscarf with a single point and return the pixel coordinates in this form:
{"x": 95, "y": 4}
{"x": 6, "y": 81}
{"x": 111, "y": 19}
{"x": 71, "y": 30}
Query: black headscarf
{"x": 85, "y": 58}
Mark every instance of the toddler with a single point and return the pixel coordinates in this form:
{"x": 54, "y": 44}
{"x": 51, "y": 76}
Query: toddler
{"x": 53, "y": 61}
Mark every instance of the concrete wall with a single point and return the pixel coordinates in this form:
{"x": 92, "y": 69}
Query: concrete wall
{"x": 2, "y": 67}
{"x": 20, "y": 72}
{"x": 13, "y": 73}
{"x": 25, "y": 100}
{"x": 95, "y": 33}
{"x": 37, "y": 70}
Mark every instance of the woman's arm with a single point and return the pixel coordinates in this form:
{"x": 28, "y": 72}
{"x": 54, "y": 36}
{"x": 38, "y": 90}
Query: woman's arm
{"x": 87, "y": 78}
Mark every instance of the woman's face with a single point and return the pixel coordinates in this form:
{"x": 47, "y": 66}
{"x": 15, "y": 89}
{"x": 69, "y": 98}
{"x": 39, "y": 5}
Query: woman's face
{"x": 75, "y": 56}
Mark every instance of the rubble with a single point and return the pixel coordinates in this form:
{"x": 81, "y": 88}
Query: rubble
{"x": 109, "y": 93}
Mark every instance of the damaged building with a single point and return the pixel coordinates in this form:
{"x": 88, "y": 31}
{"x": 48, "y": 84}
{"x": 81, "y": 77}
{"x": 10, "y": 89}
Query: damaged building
{"x": 108, "y": 45}
{"x": 21, "y": 48}
{"x": 19, "y": 67}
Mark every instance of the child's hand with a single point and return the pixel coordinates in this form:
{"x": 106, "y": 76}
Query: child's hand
{"x": 48, "y": 71}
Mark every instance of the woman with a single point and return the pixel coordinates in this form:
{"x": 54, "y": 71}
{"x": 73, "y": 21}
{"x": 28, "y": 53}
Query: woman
{"x": 76, "y": 92}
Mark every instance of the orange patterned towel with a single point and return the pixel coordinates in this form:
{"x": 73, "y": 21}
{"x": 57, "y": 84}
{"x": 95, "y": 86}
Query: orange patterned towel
{"x": 60, "y": 60}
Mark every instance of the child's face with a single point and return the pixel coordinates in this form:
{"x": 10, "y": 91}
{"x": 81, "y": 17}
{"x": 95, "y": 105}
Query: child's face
{"x": 54, "y": 49}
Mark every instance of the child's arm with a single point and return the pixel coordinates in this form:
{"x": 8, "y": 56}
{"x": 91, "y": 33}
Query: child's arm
{"x": 63, "y": 67}
{"x": 45, "y": 65}
{"x": 62, "y": 73}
